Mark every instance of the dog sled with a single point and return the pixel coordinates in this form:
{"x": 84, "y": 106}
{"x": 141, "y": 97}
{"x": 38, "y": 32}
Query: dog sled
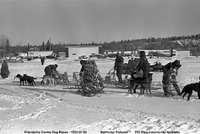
{"x": 111, "y": 79}
{"x": 89, "y": 80}
{"x": 128, "y": 82}
{"x": 55, "y": 78}
{"x": 77, "y": 80}
{"x": 76, "y": 83}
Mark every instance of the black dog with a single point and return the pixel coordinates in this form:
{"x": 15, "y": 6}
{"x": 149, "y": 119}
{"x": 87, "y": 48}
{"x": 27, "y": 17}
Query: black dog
{"x": 30, "y": 79}
{"x": 144, "y": 84}
{"x": 26, "y": 79}
{"x": 189, "y": 88}
{"x": 21, "y": 78}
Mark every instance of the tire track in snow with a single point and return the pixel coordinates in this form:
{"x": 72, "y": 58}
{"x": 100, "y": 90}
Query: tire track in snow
{"x": 22, "y": 101}
{"x": 33, "y": 115}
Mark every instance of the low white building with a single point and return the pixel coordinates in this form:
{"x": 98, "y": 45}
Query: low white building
{"x": 75, "y": 51}
{"x": 36, "y": 54}
{"x": 183, "y": 53}
{"x": 23, "y": 55}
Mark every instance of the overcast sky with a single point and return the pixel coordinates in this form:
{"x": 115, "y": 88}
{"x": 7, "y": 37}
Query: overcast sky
{"x": 86, "y": 21}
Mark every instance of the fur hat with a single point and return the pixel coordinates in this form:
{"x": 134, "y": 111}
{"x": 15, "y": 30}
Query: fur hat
{"x": 117, "y": 54}
{"x": 176, "y": 63}
{"x": 142, "y": 53}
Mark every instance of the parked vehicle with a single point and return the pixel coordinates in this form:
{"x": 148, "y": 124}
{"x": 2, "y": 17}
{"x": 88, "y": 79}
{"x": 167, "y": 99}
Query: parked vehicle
{"x": 156, "y": 67}
{"x": 52, "y": 56}
{"x": 98, "y": 56}
{"x": 83, "y": 57}
{"x": 112, "y": 55}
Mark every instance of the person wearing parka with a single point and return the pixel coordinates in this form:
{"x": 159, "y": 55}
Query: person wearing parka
{"x": 140, "y": 75}
{"x": 83, "y": 63}
{"x": 170, "y": 71}
{"x": 50, "y": 69}
{"x": 119, "y": 61}
{"x": 143, "y": 65}
{"x": 42, "y": 60}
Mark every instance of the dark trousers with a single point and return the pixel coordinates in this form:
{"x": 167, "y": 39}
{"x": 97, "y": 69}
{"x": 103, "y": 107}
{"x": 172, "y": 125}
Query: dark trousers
{"x": 167, "y": 90}
{"x": 176, "y": 87}
{"x": 42, "y": 62}
{"x": 119, "y": 73}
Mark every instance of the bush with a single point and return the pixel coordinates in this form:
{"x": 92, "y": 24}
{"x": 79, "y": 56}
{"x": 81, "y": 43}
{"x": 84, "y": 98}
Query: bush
{"x": 4, "y": 70}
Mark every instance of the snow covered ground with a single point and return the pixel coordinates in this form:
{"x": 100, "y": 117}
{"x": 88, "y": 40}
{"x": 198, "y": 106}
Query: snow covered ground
{"x": 60, "y": 110}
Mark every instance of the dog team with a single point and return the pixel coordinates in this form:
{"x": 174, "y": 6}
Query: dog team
{"x": 51, "y": 77}
{"x": 142, "y": 77}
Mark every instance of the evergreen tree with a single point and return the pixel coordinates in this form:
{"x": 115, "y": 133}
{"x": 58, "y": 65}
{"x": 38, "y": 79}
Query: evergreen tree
{"x": 28, "y": 47}
{"x": 4, "y": 69}
{"x": 48, "y": 46}
{"x": 7, "y": 49}
{"x": 43, "y": 46}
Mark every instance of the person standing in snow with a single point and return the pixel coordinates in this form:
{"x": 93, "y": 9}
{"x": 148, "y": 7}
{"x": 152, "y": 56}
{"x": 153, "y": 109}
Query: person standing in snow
{"x": 119, "y": 60}
{"x": 42, "y": 60}
{"x": 170, "y": 71}
{"x": 83, "y": 63}
{"x": 50, "y": 69}
{"x": 143, "y": 65}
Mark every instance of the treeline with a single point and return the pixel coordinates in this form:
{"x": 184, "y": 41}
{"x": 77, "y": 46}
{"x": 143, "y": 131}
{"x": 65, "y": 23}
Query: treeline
{"x": 189, "y": 42}
{"x": 6, "y": 49}
{"x": 176, "y": 42}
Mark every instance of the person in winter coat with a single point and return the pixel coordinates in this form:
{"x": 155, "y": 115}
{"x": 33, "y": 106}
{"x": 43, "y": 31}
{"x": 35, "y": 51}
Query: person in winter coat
{"x": 170, "y": 71}
{"x": 42, "y": 60}
{"x": 119, "y": 60}
{"x": 83, "y": 63}
{"x": 50, "y": 69}
{"x": 143, "y": 65}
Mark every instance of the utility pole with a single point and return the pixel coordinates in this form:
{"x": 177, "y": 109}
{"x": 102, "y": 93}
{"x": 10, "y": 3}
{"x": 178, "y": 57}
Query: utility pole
{"x": 50, "y": 43}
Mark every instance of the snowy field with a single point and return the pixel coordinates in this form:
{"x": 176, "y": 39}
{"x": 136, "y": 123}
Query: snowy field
{"x": 60, "y": 110}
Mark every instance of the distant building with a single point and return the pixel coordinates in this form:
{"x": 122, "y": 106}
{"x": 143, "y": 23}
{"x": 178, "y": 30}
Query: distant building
{"x": 61, "y": 54}
{"x": 75, "y": 51}
{"x": 37, "y": 54}
{"x": 23, "y": 55}
{"x": 183, "y": 53}
{"x": 161, "y": 53}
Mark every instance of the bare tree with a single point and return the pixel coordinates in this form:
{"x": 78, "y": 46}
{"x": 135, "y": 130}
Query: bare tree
{"x": 7, "y": 47}
{"x": 3, "y": 40}
{"x": 4, "y": 44}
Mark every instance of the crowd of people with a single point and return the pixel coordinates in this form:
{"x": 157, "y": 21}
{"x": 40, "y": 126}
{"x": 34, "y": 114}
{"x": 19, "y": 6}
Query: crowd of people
{"x": 91, "y": 81}
{"x": 170, "y": 71}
